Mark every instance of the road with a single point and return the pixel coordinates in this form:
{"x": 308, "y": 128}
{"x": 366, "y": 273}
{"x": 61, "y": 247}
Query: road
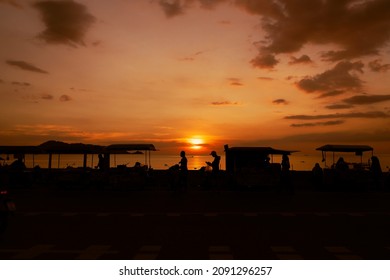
{"x": 198, "y": 224}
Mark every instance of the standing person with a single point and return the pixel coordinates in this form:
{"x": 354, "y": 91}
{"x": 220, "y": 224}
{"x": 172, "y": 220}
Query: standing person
{"x": 101, "y": 162}
{"x": 285, "y": 179}
{"x": 215, "y": 166}
{"x": 317, "y": 176}
{"x": 183, "y": 174}
{"x": 376, "y": 173}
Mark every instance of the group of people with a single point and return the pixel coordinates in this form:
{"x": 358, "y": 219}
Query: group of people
{"x": 341, "y": 167}
{"x": 183, "y": 169}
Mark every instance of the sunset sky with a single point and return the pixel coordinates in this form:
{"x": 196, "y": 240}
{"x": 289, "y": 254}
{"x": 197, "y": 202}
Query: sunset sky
{"x": 186, "y": 74}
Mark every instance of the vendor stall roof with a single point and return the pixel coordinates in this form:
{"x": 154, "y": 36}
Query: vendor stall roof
{"x": 9, "y": 150}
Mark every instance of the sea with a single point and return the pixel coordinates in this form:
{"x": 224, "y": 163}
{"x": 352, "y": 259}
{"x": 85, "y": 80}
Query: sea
{"x": 298, "y": 161}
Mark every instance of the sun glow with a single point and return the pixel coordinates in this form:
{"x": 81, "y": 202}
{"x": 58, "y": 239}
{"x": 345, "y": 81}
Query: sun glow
{"x": 196, "y": 143}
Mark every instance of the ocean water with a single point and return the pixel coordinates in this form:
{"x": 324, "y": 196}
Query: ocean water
{"x": 298, "y": 161}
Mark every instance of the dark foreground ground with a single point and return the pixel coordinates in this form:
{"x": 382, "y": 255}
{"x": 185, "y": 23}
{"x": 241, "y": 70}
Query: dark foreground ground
{"x": 197, "y": 224}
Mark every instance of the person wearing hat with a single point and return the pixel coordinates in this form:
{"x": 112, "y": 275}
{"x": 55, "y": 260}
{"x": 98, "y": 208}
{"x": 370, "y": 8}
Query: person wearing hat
{"x": 215, "y": 164}
{"x": 212, "y": 180}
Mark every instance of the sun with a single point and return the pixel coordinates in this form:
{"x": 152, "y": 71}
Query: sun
{"x": 196, "y": 143}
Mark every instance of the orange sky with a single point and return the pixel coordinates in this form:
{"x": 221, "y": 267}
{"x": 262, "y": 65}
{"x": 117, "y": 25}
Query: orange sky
{"x": 287, "y": 74}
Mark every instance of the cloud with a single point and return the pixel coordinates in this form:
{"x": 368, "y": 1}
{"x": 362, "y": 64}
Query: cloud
{"x": 280, "y": 101}
{"x": 66, "y": 22}
{"x": 172, "y": 9}
{"x": 303, "y": 59}
{"x": 348, "y": 137}
{"x": 65, "y": 98}
{"x": 223, "y": 103}
{"x": 339, "y": 106}
{"x": 366, "y": 99}
{"x": 356, "y": 27}
{"x": 331, "y": 93}
{"x": 264, "y": 61}
{"x": 341, "y": 77}
{"x": 265, "y": 78}
{"x": 191, "y": 57}
{"x": 235, "y": 82}
{"x": 24, "y": 84}
{"x": 290, "y": 25}
{"x": 377, "y": 66}
{"x": 328, "y": 123}
{"x": 46, "y": 96}
{"x": 26, "y": 66}
{"x": 365, "y": 115}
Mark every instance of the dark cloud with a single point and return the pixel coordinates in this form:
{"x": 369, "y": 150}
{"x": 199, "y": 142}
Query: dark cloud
{"x": 339, "y": 106}
{"x": 235, "y": 82}
{"x": 210, "y": 4}
{"x": 267, "y": 61}
{"x": 280, "y": 101}
{"x": 65, "y": 98}
{"x": 341, "y": 77}
{"x": 358, "y": 27}
{"x": 366, "y": 99}
{"x": 66, "y": 21}
{"x": 26, "y": 66}
{"x": 47, "y": 96}
{"x": 377, "y": 66}
{"x": 303, "y": 59}
{"x": 172, "y": 8}
{"x": 353, "y": 115}
{"x": 331, "y": 93}
{"x": 348, "y": 137}
{"x": 328, "y": 123}
{"x": 223, "y": 103}
{"x": 24, "y": 84}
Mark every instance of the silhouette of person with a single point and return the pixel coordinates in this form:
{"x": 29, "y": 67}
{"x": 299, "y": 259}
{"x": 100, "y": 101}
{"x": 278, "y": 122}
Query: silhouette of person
{"x": 317, "y": 176}
{"x": 376, "y": 172}
{"x": 215, "y": 164}
{"x": 341, "y": 179}
{"x": 215, "y": 168}
{"x": 18, "y": 165}
{"x": 341, "y": 165}
{"x": 101, "y": 162}
{"x": 17, "y": 175}
{"x": 285, "y": 174}
{"x": 267, "y": 162}
{"x": 183, "y": 174}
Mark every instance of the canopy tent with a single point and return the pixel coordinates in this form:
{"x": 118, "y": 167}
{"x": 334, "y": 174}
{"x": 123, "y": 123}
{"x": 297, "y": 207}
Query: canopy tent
{"x": 238, "y": 157}
{"x": 58, "y": 148}
{"x": 357, "y": 149}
